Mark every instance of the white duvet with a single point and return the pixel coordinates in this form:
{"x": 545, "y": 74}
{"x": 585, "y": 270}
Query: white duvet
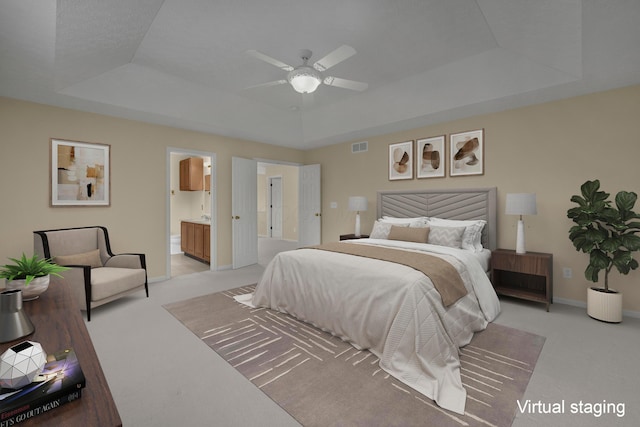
{"x": 390, "y": 309}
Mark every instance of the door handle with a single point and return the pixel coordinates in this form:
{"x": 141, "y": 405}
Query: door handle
{"x": 318, "y": 214}
{"x": 236, "y": 217}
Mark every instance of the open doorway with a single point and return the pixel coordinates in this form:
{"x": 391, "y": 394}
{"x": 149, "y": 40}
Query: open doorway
{"x": 301, "y": 208}
{"x": 191, "y": 211}
{"x": 277, "y": 209}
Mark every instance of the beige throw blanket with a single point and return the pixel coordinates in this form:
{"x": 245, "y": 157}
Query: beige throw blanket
{"x": 444, "y": 276}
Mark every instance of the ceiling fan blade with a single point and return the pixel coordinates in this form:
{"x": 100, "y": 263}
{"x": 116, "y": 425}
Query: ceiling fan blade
{"x": 335, "y": 57}
{"x": 345, "y": 84}
{"x": 270, "y": 60}
{"x": 267, "y": 84}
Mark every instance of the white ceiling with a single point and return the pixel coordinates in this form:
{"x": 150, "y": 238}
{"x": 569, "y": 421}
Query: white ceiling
{"x": 183, "y": 63}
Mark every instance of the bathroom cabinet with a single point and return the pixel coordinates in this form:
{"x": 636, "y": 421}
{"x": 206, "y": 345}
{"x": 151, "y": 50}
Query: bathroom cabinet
{"x": 195, "y": 240}
{"x": 191, "y": 174}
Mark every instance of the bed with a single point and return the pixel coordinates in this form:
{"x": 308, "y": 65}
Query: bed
{"x": 393, "y": 309}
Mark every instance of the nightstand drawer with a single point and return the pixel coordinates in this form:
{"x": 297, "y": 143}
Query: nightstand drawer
{"x": 529, "y": 263}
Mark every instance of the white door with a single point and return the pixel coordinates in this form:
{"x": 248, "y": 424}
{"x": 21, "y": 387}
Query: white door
{"x": 275, "y": 207}
{"x": 310, "y": 205}
{"x": 244, "y": 211}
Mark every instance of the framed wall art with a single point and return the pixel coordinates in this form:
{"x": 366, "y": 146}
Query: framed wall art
{"x": 430, "y": 157}
{"x": 80, "y": 173}
{"x": 401, "y": 160}
{"x": 466, "y": 151}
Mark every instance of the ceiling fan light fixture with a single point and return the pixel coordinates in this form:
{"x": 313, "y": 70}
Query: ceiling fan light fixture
{"x": 304, "y": 79}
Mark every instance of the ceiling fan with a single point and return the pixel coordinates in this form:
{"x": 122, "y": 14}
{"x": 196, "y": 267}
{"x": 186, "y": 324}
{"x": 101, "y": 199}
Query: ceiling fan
{"x": 306, "y": 78}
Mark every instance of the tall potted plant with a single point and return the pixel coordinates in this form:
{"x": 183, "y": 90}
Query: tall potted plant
{"x": 607, "y": 232}
{"x": 30, "y": 275}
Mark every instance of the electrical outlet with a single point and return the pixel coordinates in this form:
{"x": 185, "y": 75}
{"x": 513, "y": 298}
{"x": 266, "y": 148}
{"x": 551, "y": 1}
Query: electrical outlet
{"x": 567, "y": 273}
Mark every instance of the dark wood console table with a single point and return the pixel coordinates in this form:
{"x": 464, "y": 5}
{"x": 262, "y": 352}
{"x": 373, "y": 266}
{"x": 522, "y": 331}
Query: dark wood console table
{"x": 59, "y": 324}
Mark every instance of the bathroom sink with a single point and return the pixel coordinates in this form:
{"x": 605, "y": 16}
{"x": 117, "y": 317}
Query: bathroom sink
{"x": 198, "y": 221}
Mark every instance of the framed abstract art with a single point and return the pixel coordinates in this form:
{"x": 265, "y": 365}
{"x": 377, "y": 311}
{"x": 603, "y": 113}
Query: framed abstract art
{"x": 80, "y": 173}
{"x": 401, "y": 160}
{"x": 466, "y": 153}
{"x": 430, "y": 157}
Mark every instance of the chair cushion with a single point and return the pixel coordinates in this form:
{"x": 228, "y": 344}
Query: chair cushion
{"x": 91, "y": 258}
{"x": 109, "y": 281}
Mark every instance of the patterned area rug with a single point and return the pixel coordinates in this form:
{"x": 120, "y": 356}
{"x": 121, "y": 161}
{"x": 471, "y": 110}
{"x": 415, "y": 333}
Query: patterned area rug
{"x": 322, "y": 381}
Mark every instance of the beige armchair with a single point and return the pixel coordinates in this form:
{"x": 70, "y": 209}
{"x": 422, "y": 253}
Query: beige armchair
{"x": 96, "y": 275}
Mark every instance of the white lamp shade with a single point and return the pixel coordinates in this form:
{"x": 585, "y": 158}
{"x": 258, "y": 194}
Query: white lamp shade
{"x": 358, "y": 203}
{"x": 304, "y": 79}
{"x": 521, "y": 204}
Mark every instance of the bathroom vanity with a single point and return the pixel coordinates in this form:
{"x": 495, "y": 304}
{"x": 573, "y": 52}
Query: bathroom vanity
{"x": 195, "y": 239}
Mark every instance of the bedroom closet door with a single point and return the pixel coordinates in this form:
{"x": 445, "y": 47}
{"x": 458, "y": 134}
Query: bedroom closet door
{"x": 310, "y": 216}
{"x": 244, "y": 211}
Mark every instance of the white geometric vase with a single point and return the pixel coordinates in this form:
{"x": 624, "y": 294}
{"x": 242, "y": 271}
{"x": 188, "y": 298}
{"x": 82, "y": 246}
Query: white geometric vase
{"x": 20, "y": 364}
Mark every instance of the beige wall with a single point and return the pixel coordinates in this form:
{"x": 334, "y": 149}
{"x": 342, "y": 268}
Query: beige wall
{"x": 549, "y": 149}
{"x": 137, "y": 217}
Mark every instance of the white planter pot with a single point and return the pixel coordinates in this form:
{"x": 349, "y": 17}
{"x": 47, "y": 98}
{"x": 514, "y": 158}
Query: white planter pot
{"x": 35, "y": 288}
{"x": 605, "y": 306}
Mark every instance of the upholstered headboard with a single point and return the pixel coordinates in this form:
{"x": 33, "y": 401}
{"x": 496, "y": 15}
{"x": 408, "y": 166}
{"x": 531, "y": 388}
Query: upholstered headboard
{"x": 461, "y": 204}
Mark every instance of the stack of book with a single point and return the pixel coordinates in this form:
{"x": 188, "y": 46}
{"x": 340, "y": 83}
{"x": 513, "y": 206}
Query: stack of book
{"x": 60, "y": 382}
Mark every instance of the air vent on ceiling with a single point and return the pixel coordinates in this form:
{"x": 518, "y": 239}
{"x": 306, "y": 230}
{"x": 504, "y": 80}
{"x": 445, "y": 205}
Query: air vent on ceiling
{"x": 359, "y": 147}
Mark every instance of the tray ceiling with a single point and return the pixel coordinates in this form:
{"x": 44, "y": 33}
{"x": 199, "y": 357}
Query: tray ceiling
{"x": 183, "y": 63}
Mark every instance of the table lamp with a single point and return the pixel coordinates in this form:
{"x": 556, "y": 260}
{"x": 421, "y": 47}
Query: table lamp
{"x": 521, "y": 204}
{"x": 357, "y": 204}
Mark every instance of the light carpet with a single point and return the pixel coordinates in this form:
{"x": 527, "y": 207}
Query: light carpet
{"x": 323, "y": 381}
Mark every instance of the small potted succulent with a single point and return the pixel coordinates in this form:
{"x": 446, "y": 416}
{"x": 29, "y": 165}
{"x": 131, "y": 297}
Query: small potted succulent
{"x": 31, "y": 275}
{"x": 607, "y": 231}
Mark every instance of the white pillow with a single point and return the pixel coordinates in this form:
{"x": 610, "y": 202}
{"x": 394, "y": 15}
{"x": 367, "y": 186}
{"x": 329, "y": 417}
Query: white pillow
{"x": 446, "y": 236}
{"x": 472, "y": 238}
{"x": 381, "y": 229}
{"x": 419, "y": 221}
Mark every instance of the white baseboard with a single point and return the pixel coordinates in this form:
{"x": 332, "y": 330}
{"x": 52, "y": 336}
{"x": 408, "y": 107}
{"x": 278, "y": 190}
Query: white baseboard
{"x": 583, "y": 304}
{"x": 278, "y": 238}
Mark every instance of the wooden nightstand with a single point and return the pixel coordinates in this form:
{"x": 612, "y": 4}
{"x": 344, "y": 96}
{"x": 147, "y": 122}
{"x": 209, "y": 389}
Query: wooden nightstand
{"x": 527, "y": 276}
{"x": 353, "y": 236}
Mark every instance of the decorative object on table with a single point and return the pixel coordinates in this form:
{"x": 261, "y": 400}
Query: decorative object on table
{"x": 466, "y": 151}
{"x": 20, "y": 364}
{"x": 80, "y": 173}
{"x": 60, "y": 381}
{"x": 430, "y": 158}
{"x": 608, "y": 234}
{"x": 14, "y": 323}
{"x": 521, "y": 204}
{"x": 401, "y": 160}
{"x": 357, "y": 204}
{"x": 30, "y": 275}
